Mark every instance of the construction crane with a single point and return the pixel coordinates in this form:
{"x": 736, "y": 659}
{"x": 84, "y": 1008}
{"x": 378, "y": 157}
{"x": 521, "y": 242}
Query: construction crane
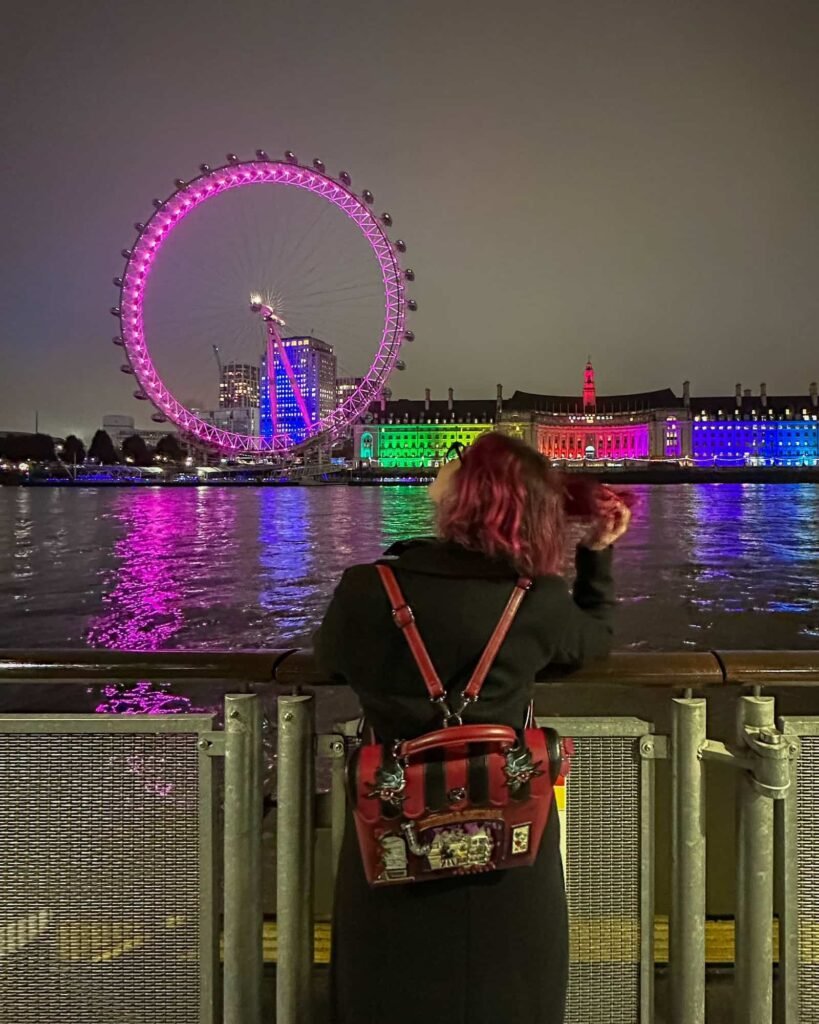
{"x": 218, "y": 359}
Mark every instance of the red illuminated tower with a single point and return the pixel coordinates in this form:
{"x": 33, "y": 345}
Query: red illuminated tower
{"x": 589, "y": 392}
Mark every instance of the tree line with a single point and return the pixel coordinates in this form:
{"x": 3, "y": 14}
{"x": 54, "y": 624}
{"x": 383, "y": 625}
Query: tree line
{"x": 134, "y": 450}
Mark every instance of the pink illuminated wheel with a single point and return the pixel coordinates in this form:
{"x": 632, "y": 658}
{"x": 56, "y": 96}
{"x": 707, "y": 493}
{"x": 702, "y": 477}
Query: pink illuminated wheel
{"x": 147, "y": 263}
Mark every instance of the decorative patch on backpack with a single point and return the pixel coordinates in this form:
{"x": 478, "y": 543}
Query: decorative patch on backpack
{"x": 520, "y": 839}
{"x": 393, "y": 856}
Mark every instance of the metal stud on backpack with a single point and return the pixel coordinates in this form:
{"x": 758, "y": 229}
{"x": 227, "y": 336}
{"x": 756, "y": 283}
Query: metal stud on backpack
{"x": 462, "y": 799}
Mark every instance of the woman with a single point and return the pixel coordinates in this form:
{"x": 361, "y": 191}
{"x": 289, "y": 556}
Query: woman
{"x": 487, "y": 948}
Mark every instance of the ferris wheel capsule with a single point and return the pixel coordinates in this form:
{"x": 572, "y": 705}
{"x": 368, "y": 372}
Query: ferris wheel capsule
{"x": 118, "y": 282}
{"x": 117, "y": 340}
{"x": 409, "y": 335}
{"x": 400, "y": 365}
{"x": 140, "y": 227}
{"x": 345, "y": 179}
{"x": 126, "y": 253}
{"x": 159, "y": 417}
{"x": 368, "y": 197}
{"x": 179, "y": 182}
{"x": 319, "y": 165}
{"x": 140, "y": 395}
{"x": 115, "y": 311}
{"x": 127, "y": 368}
{"x": 401, "y": 245}
{"x": 386, "y": 220}
{"x": 205, "y": 168}
{"x": 158, "y": 203}
{"x": 412, "y": 305}
{"x": 261, "y": 154}
{"x": 232, "y": 158}
{"x": 409, "y": 274}
{"x": 290, "y": 156}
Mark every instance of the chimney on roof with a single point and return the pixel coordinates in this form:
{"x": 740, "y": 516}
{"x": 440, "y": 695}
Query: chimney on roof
{"x": 814, "y": 395}
{"x": 763, "y": 394}
{"x": 746, "y": 393}
{"x": 450, "y": 396}
{"x": 499, "y": 404}
{"x": 738, "y": 394}
{"x": 687, "y": 394}
{"x": 426, "y": 399}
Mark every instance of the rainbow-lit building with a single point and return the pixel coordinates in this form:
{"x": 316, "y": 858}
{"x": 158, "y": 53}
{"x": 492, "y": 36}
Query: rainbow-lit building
{"x": 416, "y": 434}
{"x": 645, "y": 425}
{"x": 756, "y": 430}
{"x": 627, "y": 429}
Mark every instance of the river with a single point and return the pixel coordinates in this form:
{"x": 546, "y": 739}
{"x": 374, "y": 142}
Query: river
{"x": 704, "y": 565}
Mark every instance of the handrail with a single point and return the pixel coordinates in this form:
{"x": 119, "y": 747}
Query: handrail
{"x": 293, "y": 667}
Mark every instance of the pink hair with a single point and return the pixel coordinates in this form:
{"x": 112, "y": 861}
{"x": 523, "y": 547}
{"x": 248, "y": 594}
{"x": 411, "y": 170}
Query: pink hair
{"x": 505, "y": 502}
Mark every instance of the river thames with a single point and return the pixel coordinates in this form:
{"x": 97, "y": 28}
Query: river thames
{"x": 704, "y": 565}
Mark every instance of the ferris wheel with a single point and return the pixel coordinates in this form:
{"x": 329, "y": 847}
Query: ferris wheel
{"x": 283, "y": 291}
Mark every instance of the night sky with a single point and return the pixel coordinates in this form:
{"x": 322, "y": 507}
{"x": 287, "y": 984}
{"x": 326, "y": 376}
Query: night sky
{"x": 635, "y": 181}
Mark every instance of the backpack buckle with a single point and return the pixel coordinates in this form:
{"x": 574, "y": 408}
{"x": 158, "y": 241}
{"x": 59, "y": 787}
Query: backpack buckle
{"x": 402, "y": 616}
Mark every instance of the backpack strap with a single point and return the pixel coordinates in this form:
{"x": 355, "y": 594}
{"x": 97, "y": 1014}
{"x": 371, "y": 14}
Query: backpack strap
{"x": 405, "y": 620}
{"x": 473, "y": 687}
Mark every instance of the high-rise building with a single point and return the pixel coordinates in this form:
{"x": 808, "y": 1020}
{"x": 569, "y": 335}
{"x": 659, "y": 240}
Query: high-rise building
{"x": 313, "y": 364}
{"x": 239, "y": 386}
{"x": 345, "y": 386}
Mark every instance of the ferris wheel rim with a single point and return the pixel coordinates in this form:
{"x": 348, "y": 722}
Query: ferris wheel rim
{"x": 152, "y": 235}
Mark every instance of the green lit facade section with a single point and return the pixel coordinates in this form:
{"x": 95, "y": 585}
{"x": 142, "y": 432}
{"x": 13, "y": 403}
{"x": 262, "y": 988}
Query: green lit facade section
{"x": 412, "y": 445}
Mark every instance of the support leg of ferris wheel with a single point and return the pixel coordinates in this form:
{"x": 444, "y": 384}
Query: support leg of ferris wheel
{"x": 274, "y": 345}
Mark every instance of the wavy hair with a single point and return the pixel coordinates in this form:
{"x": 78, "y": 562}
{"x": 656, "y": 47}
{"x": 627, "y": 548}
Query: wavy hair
{"x": 506, "y": 502}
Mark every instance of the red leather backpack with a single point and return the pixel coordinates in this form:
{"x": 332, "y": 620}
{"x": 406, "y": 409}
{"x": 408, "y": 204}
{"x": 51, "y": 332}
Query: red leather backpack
{"x": 462, "y": 799}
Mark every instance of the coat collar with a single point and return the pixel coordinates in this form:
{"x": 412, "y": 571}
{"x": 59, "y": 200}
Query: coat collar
{"x": 433, "y": 557}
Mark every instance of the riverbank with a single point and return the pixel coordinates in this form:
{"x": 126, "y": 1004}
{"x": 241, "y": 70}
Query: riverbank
{"x": 657, "y": 474}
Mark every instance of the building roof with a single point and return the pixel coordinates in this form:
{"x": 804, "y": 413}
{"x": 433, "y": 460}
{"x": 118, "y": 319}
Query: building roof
{"x": 527, "y": 401}
{"x": 411, "y": 410}
{"x": 748, "y": 406}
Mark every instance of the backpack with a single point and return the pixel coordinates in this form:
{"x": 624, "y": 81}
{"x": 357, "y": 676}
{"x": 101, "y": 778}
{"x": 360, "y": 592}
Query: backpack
{"x": 460, "y": 800}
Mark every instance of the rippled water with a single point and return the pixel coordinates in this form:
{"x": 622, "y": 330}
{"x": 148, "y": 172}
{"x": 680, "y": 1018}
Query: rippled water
{"x": 712, "y": 565}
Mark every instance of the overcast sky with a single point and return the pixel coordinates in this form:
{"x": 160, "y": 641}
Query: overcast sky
{"x": 634, "y": 180}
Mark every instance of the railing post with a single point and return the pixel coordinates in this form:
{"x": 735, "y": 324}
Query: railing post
{"x": 756, "y": 790}
{"x": 243, "y": 858}
{"x": 294, "y": 860}
{"x": 687, "y": 932}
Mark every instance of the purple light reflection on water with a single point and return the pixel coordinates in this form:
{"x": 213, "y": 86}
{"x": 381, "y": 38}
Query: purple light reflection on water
{"x": 151, "y": 585}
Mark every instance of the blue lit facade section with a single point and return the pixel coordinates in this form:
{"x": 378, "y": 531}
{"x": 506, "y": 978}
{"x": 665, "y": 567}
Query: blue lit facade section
{"x": 265, "y": 409}
{"x": 314, "y": 369}
{"x": 757, "y": 442}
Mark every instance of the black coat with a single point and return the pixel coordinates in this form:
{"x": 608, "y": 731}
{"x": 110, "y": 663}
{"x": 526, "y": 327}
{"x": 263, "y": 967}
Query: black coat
{"x": 473, "y": 950}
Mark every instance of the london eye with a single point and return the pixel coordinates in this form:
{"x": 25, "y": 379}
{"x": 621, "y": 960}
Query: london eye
{"x": 261, "y": 320}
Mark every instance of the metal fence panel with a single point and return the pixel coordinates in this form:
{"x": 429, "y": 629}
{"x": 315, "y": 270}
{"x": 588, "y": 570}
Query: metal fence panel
{"x": 106, "y": 876}
{"x": 798, "y": 840}
{"x": 608, "y": 825}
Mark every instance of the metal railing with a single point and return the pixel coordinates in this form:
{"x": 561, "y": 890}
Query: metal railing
{"x": 661, "y": 702}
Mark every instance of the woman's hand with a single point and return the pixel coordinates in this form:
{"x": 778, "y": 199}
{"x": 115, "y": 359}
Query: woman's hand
{"x": 610, "y": 524}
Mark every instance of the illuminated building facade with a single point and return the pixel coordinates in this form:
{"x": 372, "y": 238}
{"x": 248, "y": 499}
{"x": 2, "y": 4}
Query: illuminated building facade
{"x": 345, "y": 386}
{"x": 416, "y": 434}
{"x": 646, "y": 425}
{"x": 756, "y": 429}
{"x": 239, "y": 386}
{"x": 634, "y": 428}
{"x": 313, "y": 363}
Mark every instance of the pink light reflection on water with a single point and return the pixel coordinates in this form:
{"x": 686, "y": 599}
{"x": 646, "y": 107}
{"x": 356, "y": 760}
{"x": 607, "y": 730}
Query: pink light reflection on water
{"x": 168, "y": 541}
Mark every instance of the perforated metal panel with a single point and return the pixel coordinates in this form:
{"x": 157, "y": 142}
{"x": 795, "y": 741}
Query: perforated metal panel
{"x": 603, "y": 857}
{"x": 807, "y": 845}
{"x": 101, "y": 896}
